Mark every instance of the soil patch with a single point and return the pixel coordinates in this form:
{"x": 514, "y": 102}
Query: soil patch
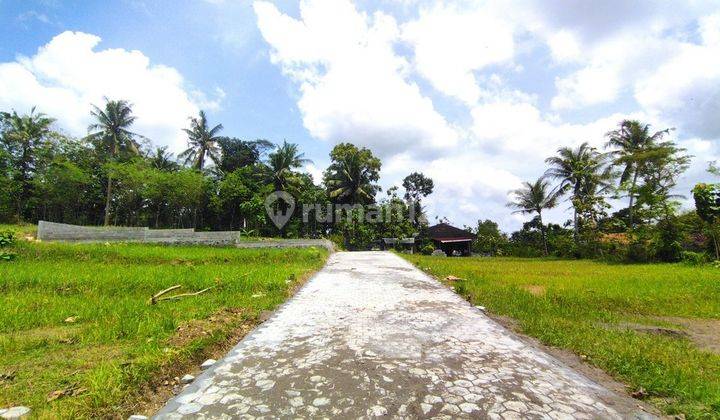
{"x": 534, "y": 289}
{"x": 705, "y": 333}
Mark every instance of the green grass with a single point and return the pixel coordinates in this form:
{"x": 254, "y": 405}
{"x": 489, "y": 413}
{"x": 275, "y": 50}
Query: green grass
{"x": 576, "y": 303}
{"x": 118, "y": 341}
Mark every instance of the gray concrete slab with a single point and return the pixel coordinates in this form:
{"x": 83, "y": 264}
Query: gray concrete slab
{"x": 371, "y": 336}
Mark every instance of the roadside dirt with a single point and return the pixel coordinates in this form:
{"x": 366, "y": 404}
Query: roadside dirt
{"x": 166, "y": 383}
{"x": 704, "y": 333}
{"x": 152, "y": 396}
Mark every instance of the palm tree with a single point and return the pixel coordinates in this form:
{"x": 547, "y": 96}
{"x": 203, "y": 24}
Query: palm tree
{"x": 351, "y": 180}
{"x": 282, "y": 162}
{"x": 111, "y": 131}
{"x": 534, "y": 198}
{"x": 202, "y": 142}
{"x": 163, "y": 160}
{"x": 634, "y": 146}
{"x": 25, "y": 133}
{"x": 581, "y": 172}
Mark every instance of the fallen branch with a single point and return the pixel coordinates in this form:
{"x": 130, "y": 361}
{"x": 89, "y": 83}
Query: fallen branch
{"x": 154, "y": 299}
{"x": 182, "y": 295}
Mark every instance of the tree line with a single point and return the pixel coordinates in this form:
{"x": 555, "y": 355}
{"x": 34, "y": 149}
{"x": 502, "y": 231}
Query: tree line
{"x": 638, "y": 165}
{"x": 115, "y": 176}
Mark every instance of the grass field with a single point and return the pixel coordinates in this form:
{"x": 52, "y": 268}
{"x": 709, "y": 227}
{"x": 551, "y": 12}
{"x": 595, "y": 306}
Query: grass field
{"x": 78, "y": 337}
{"x": 586, "y": 306}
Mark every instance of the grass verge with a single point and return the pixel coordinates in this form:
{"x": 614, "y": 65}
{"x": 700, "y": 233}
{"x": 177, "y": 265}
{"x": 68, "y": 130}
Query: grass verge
{"x": 79, "y": 339}
{"x": 581, "y": 306}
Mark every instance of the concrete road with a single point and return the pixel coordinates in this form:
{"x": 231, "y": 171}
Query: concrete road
{"x": 372, "y": 336}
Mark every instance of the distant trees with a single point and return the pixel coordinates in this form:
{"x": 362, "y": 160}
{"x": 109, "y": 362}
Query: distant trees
{"x": 352, "y": 175}
{"x": 534, "y": 198}
{"x": 111, "y": 133}
{"x": 115, "y": 176}
{"x": 237, "y": 153}
{"x": 640, "y": 164}
{"x": 283, "y": 162}
{"x": 202, "y": 142}
{"x": 417, "y": 186}
{"x": 707, "y": 206}
{"x": 633, "y": 146}
{"x": 582, "y": 175}
{"x": 23, "y": 136}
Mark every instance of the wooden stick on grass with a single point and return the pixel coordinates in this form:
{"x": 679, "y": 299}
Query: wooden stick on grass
{"x": 184, "y": 295}
{"x": 154, "y": 299}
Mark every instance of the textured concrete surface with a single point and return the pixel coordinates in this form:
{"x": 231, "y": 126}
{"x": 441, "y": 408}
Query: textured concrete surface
{"x": 372, "y": 336}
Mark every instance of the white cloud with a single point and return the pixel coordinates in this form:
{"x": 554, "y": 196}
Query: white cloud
{"x": 450, "y": 44}
{"x": 686, "y": 87}
{"x": 361, "y": 77}
{"x": 68, "y": 74}
{"x": 353, "y": 87}
{"x": 564, "y": 46}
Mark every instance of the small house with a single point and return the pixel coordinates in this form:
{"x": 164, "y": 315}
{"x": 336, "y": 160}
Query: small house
{"x": 450, "y": 239}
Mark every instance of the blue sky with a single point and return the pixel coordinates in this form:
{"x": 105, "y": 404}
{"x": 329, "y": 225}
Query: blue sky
{"x": 473, "y": 93}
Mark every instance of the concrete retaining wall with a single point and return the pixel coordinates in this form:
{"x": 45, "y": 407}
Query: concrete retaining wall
{"x": 49, "y": 231}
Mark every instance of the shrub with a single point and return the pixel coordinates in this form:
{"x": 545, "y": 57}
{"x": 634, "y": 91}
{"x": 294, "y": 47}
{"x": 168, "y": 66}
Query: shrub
{"x": 694, "y": 258}
{"x": 7, "y": 238}
{"x": 427, "y": 249}
{"x": 638, "y": 252}
{"x": 338, "y": 240}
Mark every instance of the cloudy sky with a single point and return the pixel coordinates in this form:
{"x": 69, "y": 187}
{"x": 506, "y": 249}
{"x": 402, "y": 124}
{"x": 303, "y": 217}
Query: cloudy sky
{"x": 474, "y": 94}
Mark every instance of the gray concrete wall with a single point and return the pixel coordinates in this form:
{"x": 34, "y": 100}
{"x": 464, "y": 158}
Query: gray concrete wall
{"x": 49, "y": 231}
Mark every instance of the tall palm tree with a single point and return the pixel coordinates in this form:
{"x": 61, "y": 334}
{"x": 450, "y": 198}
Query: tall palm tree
{"x": 111, "y": 131}
{"x": 581, "y": 172}
{"x": 282, "y": 162}
{"x": 23, "y": 134}
{"x": 534, "y": 198}
{"x": 202, "y": 142}
{"x": 351, "y": 180}
{"x": 634, "y": 145}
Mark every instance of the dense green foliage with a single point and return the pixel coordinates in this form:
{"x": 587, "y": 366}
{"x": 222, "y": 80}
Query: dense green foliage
{"x": 586, "y": 307}
{"x": 77, "y": 316}
{"x": 116, "y": 176}
{"x": 640, "y": 165}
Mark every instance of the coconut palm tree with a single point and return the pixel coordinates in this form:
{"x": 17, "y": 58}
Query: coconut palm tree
{"x": 163, "y": 160}
{"x": 111, "y": 132}
{"x": 282, "y": 162}
{"x": 534, "y": 198}
{"x": 582, "y": 173}
{"x": 351, "y": 177}
{"x": 23, "y": 134}
{"x": 634, "y": 145}
{"x": 202, "y": 142}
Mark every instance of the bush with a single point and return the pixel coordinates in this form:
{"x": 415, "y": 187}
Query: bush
{"x": 7, "y": 238}
{"x": 638, "y": 252}
{"x": 427, "y": 249}
{"x": 338, "y": 240}
{"x": 694, "y": 258}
